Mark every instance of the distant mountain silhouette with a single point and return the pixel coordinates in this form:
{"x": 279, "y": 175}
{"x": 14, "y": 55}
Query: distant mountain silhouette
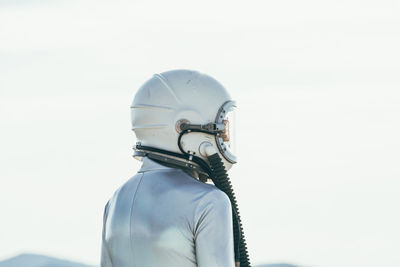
{"x": 33, "y": 260}
{"x": 271, "y": 265}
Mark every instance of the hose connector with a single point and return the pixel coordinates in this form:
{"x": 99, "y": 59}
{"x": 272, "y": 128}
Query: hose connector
{"x": 206, "y": 149}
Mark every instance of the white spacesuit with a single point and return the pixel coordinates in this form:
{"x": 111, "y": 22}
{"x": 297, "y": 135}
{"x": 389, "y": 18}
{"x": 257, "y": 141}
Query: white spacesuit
{"x": 167, "y": 215}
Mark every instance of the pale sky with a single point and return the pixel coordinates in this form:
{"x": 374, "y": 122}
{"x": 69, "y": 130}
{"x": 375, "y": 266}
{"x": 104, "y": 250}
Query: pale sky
{"x": 318, "y": 120}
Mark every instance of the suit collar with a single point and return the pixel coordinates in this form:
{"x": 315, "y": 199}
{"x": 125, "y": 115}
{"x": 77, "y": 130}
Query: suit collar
{"x": 151, "y": 165}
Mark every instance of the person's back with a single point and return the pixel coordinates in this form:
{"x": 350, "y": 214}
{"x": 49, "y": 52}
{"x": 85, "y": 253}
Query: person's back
{"x": 164, "y": 217}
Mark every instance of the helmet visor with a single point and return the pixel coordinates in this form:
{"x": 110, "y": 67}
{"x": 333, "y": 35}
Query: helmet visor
{"x": 226, "y": 138}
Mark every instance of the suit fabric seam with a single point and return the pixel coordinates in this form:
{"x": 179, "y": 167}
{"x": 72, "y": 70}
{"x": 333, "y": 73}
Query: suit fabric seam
{"x": 130, "y": 215}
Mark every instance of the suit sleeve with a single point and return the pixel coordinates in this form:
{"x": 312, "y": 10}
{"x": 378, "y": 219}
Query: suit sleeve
{"x": 214, "y": 231}
{"x": 105, "y": 254}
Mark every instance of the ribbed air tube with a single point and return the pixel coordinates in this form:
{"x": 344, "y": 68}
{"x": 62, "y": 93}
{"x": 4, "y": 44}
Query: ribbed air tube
{"x": 221, "y": 180}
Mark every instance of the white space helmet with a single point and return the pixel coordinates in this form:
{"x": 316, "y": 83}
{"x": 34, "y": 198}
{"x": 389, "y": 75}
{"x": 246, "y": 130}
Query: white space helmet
{"x": 184, "y": 112}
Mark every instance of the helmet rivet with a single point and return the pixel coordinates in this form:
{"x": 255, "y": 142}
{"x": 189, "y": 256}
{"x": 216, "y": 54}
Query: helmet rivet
{"x": 179, "y": 123}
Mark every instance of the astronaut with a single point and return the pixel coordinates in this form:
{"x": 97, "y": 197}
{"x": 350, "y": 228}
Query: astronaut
{"x": 170, "y": 214}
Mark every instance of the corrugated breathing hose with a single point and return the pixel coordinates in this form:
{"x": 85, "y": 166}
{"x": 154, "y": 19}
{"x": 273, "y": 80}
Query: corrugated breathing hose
{"x": 220, "y": 178}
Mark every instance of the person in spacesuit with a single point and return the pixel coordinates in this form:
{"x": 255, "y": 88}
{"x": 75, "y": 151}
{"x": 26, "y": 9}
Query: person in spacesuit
{"x": 169, "y": 213}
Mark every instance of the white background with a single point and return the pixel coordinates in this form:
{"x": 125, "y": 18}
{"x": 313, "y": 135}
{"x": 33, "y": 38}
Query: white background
{"x": 318, "y": 125}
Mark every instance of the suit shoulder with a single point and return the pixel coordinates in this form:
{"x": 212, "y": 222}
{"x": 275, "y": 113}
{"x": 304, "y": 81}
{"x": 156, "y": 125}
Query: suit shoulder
{"x": 217, "y": 196}
{"x": 210, "y": 190}
{"x": 127, "y": 186}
